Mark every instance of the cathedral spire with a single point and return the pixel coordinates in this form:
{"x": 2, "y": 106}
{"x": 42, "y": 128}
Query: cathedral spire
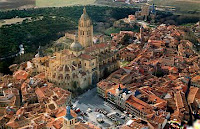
{"x": 119, "y": 87}
{"x": 153, "y": 9}
{"x": 68, "y": 113}
{"x": 84, "y": 10}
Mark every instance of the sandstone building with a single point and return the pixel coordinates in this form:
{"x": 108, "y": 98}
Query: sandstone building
{"x": 83, "y": 64}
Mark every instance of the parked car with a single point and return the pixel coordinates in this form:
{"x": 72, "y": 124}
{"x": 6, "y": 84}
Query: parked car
{"x": 77, "y": 110}
{"x": 89, "y": 110}
{"x": 122, "y": 117}
{"x": 113, "y": 119}
{"x": 118, "y": 114}
{"x": 105, "y": 112}
{"x": 74, "y": 108}
{"x": 82, "y": 114}
{"x": 85, "y": 114}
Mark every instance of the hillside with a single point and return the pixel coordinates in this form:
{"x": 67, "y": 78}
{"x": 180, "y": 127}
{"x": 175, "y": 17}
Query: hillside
{"x": 34, "y": 33}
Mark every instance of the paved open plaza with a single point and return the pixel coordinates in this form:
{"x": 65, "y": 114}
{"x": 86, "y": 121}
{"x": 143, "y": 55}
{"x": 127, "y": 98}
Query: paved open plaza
{"x": 91, "y": 100}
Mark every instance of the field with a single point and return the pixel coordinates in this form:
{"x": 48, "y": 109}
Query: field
{"x": 11, "y": 21}
{"x": 10, "y": 4}
{"x": 181, "y": 5}
{"x": 59, "y": 3}
{"x": 20, "y": 4}
{"x": 56, "y": 3}
{"x": 13, "y": 4}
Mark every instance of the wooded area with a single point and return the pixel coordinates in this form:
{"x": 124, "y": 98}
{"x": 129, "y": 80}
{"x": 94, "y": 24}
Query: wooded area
{"x": 34, "y": 33}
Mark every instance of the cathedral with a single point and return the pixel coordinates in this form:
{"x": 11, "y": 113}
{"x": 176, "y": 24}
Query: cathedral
{"x": 83, "y": 64}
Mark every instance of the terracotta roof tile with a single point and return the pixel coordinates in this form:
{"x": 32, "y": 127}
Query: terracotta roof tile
{"x": 20, "y": 75}
{"x": 192, "y": 94}
{"x": 87, "y": 57}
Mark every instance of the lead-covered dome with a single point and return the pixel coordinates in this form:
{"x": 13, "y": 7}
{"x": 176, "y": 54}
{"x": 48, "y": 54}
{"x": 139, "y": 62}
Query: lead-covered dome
{"x": 76, "y": 46}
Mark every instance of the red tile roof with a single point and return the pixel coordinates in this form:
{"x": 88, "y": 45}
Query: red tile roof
{"x": 87, "y": 57}
{"x": 62, "y": 112}
{"x": 196, "y": 78}
{"x": 192, "y": 94}
{"x": 113, "y": 89}
{"x": 96, "y": 46}
{"x": 20, "y": 75}
{"x": 139, "y": 104}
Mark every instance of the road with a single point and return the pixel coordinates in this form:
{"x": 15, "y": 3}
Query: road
{"x": 21, "y": 51}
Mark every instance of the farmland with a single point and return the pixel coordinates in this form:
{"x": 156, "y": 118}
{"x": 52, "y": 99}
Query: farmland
{"x": 11, "y": 4}
{"x": 183, "y": 6}
{"x": 58, "y": 3}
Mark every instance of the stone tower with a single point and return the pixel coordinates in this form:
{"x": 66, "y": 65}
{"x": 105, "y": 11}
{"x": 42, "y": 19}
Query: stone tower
{"x": 153, "y": 14}
{"x": 85, "y": 30}
{"x": 68, "y": 120}
{"x": 145, "y": 11}
{"x": 141, "y": 33}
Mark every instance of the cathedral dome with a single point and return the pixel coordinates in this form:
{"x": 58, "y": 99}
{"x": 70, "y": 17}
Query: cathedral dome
{"x": 76, "y": 46}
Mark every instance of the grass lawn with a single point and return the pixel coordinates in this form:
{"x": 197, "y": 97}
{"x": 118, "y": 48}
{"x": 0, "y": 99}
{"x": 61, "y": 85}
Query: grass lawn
{"x": 124, "y": 63}
{"x": 50, "y": 3}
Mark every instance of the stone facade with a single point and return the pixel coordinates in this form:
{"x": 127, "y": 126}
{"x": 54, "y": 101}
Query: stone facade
{"x": 83, "y": 64}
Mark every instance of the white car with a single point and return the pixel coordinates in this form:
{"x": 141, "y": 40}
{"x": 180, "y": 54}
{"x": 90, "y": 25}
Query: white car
{"x": 89, "y": 110}
{"x": 122, "y": 117}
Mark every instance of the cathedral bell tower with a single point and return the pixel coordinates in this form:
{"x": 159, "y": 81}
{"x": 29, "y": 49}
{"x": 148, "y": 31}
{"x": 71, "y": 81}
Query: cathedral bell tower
{"x": 85, "y": 30}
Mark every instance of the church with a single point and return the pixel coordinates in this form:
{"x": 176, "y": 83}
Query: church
{"x": 83, "y": 64}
